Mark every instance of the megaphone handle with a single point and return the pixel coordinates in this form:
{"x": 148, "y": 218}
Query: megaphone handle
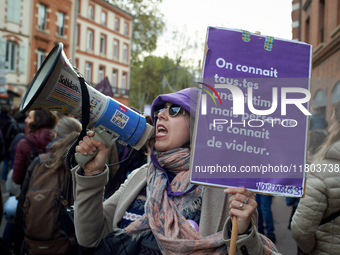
{"x": 83, "y": 159}
{"x": 103, "y": 135}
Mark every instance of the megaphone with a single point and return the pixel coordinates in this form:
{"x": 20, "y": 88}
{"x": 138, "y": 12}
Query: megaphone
{"x": 56, "y": 87}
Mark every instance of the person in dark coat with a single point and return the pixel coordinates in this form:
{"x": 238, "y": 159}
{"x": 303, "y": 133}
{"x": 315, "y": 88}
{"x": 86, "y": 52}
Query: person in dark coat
{"x": 40, "y": 124}
{"x": 5, "y": 118}
{"x": 5, "y": 124}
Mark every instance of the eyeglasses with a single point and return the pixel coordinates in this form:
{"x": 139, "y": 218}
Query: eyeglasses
{"x": 173, "y": 110}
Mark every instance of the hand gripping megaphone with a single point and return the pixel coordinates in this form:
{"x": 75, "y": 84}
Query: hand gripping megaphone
{"x": 56, "y": 87}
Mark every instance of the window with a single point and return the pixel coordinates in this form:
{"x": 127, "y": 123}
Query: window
{"x": 307, "y": 31}
{"x": 320, "y": 98}
{"x": 125, "y": 52}
{"x": 104, "y": 18}
{"x": 42, "y": 17}
{"x": 126, "y": 29}
{"x": 77, "y": 34}
{"x": 40, "y": 58}
{"x": 88, "y": 72}
{"x": 102, "y": 44}
{"x": 117, "y": 24}
{"x": 336, "y": 93}
{"x": 89, "y": 40}
{"x": 124, "y": 80}
{"x": 11, "y": 55}
{"x": 22, "y": 58}
{"x": 78, "y": 6}
{"x": 61, "y": 23}
{"x": 321, "y": 20}
{"x": 115, "y": 49}
{"x": 114, "y": 80}
{"x": 101, "y": 73}
{"x": 13, "y": 11}
{"x": 91, "y": 12}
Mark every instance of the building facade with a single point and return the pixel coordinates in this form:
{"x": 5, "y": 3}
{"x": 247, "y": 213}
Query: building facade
{"x": 51, "y": 24}
{"x": 96, "y": 36}
{"x": 15, "y": 35}
{"x": 317, "y": 22}
{"x": 103, "y": 45}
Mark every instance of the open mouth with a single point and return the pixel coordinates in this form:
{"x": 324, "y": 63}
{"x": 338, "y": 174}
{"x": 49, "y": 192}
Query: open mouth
{"x": 161, "y": 130}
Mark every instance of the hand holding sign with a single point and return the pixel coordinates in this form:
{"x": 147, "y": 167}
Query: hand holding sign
{"x": 242, "y": 205}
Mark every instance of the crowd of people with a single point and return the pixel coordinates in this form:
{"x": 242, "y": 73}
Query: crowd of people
{"x": 147, "y": 205}
{"x": 50, "y": 135}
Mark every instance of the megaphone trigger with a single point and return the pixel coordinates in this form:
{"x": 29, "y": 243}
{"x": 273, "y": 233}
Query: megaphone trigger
{"x": 102, "y": 134}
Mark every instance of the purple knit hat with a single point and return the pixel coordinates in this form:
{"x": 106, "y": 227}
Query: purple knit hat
{"x": 186, "y": 98}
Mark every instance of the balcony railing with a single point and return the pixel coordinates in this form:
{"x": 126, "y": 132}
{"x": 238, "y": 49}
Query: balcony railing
{"x": 120, "y": 91}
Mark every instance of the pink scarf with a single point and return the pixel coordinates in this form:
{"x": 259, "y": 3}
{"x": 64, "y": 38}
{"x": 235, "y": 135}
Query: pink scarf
{"x": 163, "y": 215}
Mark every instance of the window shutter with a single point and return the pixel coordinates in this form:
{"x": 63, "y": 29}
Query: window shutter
{"x": 22, "y": 54}
{"x": 2, "y": 49}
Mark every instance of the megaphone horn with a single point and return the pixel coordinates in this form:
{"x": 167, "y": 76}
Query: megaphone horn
{"x": 56, "y": 87}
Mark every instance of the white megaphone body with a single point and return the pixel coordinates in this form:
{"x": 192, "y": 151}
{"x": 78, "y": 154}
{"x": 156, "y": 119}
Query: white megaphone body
{"x": 56, "y": 87}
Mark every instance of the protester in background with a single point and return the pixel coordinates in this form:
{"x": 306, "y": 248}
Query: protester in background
{"x": 5, "y": 122}
{"x": 316, "y": 138}
{"x": 2, "y": 146}
{"x": 40, "y": 124}
{"x": 113, "y": 180}
{"x": 13, "y": 188}
{"x": 53, "y": 164}
{"x": 4, "y": 250}
{"x": 13, "y": 148}
{"x": 265, "y": 218}
{"x": 137, "y": 158}
{"x": 19, "y": 117}
{"x": 156, "y": 205}
{"x": 12, "y": 132}
{"x": 128, "y": 161}
{"x": 5, "y": 118}
{"x": 313, "y": 228}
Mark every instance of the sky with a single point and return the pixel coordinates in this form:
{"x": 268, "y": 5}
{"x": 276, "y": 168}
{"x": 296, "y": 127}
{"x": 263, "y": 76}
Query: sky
{"x": 190, "y": 18}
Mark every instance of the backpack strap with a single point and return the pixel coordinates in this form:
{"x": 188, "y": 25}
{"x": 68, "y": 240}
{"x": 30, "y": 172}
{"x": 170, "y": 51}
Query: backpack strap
{"x": 44, "y": 157}
{"x": 330, "y": 217}
{"x": 31, "y": 144}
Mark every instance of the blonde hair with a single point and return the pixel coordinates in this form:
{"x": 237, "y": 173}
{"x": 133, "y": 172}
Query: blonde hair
{"x": 332, "y": 137}
{"x": 67, "y": 130}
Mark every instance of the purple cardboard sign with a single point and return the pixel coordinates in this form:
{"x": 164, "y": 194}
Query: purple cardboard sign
{"x": 252, "y": 115}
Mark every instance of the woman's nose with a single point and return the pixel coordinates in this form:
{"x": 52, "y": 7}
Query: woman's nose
{"x": 163, "y": 114}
